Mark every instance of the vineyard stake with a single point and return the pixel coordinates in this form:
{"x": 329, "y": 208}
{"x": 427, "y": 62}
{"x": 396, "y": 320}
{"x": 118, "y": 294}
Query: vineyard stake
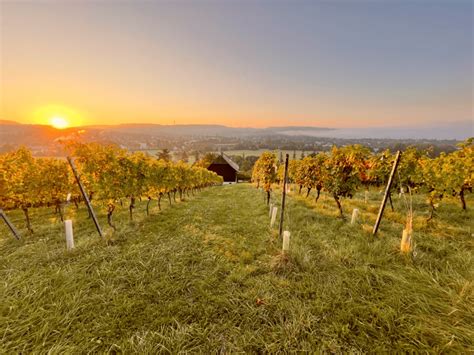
{"x": 10, "y": 225}
{"x": 69, "y": 234}
{"x": 355, "y": 215}
{"x": 274, "y": 214}
{"x": 387, "y": 192}
{"x": 283, "y": 197}
{"x": 86, "y": 198}
{"x": 286, "y": 242}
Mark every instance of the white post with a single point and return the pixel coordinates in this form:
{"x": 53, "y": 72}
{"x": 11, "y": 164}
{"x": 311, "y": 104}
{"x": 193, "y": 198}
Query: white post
{"x": 355, "y": 215}
{"x": 270, "y": 210}
{"x": 402, "y": 191}
{"x": 274, "y": 215}
{"x": 69, "y": 234}
{"x": 405, "y": 244}
{"x": 286, "y": 241}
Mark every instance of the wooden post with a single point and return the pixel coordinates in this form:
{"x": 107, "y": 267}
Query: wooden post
{"x": 387, "y": 192}
{"x": 270, "y": 210}
{"x": 86, "y": 198}
{"x": 10, "y": 225}
{"x": 283, "y": 197}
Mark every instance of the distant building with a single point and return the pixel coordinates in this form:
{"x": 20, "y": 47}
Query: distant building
{"x": 225, "y": 167}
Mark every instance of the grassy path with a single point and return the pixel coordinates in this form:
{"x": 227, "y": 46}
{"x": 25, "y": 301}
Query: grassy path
{"x": 204, "y": 275}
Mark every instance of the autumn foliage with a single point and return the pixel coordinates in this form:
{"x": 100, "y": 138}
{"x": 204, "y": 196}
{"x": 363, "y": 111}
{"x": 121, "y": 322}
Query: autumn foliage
{"x": 110, "y": 175}
{"x": 343, "y": 170}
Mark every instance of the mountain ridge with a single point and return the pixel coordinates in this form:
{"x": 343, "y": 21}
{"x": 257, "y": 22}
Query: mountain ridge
{"x": 12, "y": 132}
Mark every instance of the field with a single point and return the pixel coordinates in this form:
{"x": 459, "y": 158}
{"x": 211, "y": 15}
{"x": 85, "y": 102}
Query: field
{"x": 258, "y": 152}
{"x": 247, "y": 153}
{"x": 207, "y": 275}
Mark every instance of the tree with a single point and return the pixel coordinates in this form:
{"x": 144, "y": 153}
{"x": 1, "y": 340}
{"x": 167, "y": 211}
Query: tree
{"x": 433, "y": 179}
{"x": 206, "y": 160}
{"x": 20, "y": 182}
{"x": 184, "y": 156}
{"x": 134, "y": 167}
{"x": 55, "y": 183}
{"x": 409, "y": 171}
{"x": 293, "y": 166}
{"x": 264, "y": 172}
{"x": 378, "y": 169}
{"x": 311, "y": 173}
{"x": 459, "y": 170}
{"x": 33, "y": 182}
{"x": 196, "y": 156}
{"x": 164, "y": 155}
{"x": 448, "y": 174}
{"x": 342, "y": 172}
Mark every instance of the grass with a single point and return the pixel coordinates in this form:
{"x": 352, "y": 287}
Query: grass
{"x": 207, "y": 275}
{"x": 258, "y": 152}
{"x": 240, "y": 152}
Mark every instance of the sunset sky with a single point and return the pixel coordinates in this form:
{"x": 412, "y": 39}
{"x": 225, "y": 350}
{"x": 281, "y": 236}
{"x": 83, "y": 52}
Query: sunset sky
{"x": 238, "y": 63}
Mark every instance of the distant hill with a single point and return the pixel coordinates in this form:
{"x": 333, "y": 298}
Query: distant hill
{"x": 40, "y": 135}
{"x": 15, "y": 133}
{"x": 30, "y": 135}
{"x": 202, "y": 130}
{"x": 7, "y": 122}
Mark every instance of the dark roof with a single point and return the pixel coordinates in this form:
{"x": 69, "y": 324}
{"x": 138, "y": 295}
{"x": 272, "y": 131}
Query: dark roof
{"x": 224, "y": 159}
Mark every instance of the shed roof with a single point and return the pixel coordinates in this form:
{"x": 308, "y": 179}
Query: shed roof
{"x": 224, "y": 159}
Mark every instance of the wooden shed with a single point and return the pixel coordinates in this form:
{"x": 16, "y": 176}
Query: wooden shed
{"x": 225, "y": 167}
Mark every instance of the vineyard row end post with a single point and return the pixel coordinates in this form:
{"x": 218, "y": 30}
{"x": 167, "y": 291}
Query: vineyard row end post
{"x": 387, "y": 193}
{"x": 10, "y": 225}
{"x": 283, "y": 197}
{"x": 86, "y": 198}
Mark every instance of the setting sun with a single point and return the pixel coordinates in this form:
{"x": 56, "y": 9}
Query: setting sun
{"x": 59, "y": 122}
{"x": 59, "y": 116}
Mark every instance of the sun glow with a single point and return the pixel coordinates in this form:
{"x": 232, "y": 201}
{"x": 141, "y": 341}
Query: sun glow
{"x": 57, "y": 116}
{"x": 59, "y": 122}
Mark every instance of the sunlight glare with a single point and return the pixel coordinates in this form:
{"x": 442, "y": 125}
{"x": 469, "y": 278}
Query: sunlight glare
{"x": 59, "y": 122}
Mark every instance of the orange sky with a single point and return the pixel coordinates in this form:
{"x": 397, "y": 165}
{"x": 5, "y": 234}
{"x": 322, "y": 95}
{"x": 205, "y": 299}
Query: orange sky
{"x": 252, "y": 65}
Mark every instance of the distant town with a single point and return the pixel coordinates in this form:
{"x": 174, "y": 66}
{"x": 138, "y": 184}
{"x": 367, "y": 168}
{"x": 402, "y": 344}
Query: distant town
{"x": 189, "y": 142}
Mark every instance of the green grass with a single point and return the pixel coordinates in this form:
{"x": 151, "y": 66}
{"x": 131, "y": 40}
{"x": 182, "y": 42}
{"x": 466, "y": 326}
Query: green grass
{"x": 207, "y": 275}
{"x": 258, "y": 152}
{"x": 240, "y": 152}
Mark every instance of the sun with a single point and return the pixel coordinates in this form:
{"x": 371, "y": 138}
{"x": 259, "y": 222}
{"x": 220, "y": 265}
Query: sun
{"x": 56, "y": 115}
{"x": 59, "y": 122}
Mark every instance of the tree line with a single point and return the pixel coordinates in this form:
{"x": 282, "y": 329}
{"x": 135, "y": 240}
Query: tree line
{"x": 343, "y": 170}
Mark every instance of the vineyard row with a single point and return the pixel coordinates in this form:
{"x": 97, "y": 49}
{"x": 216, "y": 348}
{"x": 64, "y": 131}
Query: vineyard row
{"x": 344, "y": 170}
{"x": 109, "y": 174}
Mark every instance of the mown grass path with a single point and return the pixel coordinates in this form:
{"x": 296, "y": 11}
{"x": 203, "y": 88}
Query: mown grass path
{"x": 204, "y": 276}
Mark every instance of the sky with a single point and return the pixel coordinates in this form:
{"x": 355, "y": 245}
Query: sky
{"x": 239, "y": 63}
